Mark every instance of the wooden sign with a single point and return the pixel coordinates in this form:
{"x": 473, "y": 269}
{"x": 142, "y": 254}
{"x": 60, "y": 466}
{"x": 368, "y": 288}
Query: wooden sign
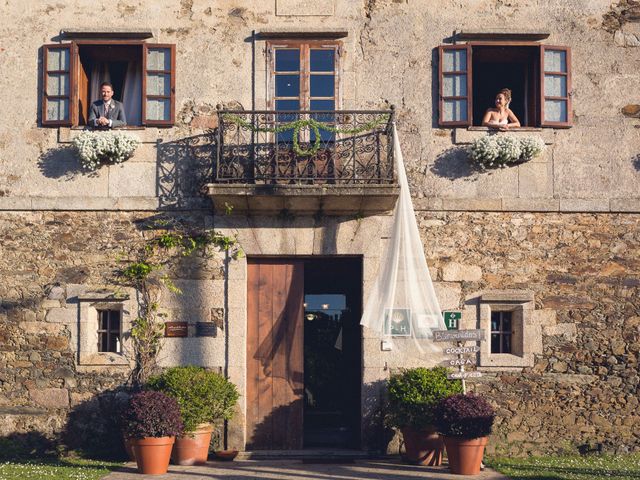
{"x": 458, "y": 335}
{"x": 452, "y": 320}
{"x": 461, "y": 350}
{"x": 459, "y": 362}
{"x": 176, "y": 329}
{"x": 463, "y": 375}
{"x": 206, "y": 329}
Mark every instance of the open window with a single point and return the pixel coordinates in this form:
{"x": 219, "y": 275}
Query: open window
{"x": 539, "y": 77}
{"x": 142, "y": 75}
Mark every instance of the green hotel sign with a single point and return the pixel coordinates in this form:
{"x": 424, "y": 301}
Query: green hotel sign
{"x": 452, "y": 320}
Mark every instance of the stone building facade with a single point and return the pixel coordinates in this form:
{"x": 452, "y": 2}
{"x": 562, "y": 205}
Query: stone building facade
{"x": 553, "y": 241}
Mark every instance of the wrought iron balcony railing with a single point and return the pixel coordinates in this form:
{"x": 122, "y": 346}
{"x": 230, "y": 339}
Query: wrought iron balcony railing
{"x": 306, "y": 148}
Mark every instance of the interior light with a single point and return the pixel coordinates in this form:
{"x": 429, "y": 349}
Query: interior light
{"x": 325, "y": 306}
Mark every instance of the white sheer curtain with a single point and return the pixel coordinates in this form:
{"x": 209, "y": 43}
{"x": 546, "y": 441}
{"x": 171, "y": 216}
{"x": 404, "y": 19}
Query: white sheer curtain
{"x": 403, "y": 306}
{"x": 99, "y": 73}
{"x": 132, "y": 94}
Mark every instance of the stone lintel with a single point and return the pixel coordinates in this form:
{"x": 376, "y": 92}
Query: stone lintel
{"x": 501, "y": 34}
{"x": 303, "y": 199}
{"x": 306, "y": 33}
{"x": 102, "y": 297}
{"x": 516, "y": 296}
{"x": 102, "y": 33}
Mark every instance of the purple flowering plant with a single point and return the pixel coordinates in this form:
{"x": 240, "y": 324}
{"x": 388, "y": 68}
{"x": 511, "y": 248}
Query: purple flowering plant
{"x": 152, "y": 414}
{"x": 464, "y": 416}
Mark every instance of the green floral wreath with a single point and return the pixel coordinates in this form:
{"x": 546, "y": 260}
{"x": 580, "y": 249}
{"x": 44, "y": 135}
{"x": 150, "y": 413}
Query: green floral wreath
{"x": 310, "y": 123}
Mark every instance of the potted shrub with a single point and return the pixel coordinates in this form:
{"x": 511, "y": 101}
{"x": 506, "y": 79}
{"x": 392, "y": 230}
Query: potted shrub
{"x": 152, "y": 421}
{"x": 465, "y": 421}
{"x": 413, "y": 394}
{"x": 204, "y": 397}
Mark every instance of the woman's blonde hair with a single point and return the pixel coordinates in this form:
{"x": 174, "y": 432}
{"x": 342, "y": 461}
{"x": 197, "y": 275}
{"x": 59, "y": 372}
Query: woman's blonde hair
{"x": 507, "y": 94}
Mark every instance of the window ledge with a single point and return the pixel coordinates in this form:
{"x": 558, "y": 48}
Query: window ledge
{"x": 106, "y": 359}
{"x": 467, "y": 135}
{"x": 146, "y": 134}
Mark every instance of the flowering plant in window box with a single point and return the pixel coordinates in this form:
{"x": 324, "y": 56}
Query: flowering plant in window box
{"x": 95, "y": 149}
{"x": 502, "y": 150}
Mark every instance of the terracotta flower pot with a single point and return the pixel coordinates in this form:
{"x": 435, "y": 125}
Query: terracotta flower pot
{"x": 465, "y": 455}
{"x": 423, "y": 447}
{"x": 152, "y": 454}
{"x": 226, "y": 455}
{"x": 192, "y": 448}
{"x": 128, "y": 448}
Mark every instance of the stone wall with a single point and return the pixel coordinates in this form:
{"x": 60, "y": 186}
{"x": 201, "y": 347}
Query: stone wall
{"x": 389, "y": 57}
{"x": 583, "y": 270}
{"x": 48, "y": 261}
{"x": 585, "y": 274}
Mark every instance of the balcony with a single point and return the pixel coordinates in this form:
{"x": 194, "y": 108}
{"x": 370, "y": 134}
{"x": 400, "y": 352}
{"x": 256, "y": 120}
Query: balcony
{"x": 335, "y": 162}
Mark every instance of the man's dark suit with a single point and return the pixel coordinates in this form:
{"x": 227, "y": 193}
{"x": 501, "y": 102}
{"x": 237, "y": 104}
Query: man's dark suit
{"x": 115, "y": 113}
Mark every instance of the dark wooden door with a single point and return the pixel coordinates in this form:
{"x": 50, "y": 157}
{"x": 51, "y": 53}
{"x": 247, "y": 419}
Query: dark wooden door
{"x": 275, "y": 361}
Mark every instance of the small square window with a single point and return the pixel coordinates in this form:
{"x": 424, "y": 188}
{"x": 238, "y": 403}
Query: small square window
{"x": 513, "y": 338}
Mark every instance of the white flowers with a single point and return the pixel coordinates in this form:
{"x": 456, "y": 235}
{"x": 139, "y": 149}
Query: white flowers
{"x": 98, "y": 148}
{"x": 502, "y": 150}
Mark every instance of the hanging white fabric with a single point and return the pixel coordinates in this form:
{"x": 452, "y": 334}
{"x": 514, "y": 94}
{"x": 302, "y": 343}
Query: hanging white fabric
{"x": 403, "y": 306}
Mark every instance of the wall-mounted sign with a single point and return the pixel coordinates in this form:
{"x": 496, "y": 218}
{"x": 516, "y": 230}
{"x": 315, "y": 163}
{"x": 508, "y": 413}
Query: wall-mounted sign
{"x": 206, "y": 329}
{"x": 452, "y": 320}
{"x": 398, "y": 322}
{"x": 176, "y": 329}
{"x": 463, "y": 375}
{"x": 458, "y": 335}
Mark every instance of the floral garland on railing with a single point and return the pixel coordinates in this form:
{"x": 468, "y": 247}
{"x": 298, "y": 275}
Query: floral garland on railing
{"x": 310, "y": 123}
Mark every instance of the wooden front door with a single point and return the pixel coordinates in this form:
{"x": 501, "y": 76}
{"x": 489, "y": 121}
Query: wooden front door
{"x": 275, "y": 357}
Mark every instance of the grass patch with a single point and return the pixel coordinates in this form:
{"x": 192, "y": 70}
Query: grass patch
{"x": 588, "y": 467}
{"x": 58, "y": 469}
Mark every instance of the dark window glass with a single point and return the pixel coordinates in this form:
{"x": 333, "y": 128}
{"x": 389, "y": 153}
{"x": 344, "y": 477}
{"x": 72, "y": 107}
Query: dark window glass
{"x": 501, "y": 332}
{"x": 287, "y": 60}
{"x": 287, "y": 85}
{"x": 322, "y": 85}
{"x": 109, "y": 330}
{"x": 322, "y": 105}
{"x": 322, "y": 60}
{"x": 495, "y": 343}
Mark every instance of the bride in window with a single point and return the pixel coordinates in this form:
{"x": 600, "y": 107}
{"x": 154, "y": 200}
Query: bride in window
{"x": 501, "y": 117}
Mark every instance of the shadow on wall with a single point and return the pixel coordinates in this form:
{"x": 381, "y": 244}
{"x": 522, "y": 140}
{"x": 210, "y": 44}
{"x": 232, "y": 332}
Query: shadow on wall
{"x": 454, "y": 164}
{"x": 93, "y": 426}
{"x": 61, "y": 163}
{"x": 184, "y": 166}
{"x": 376, "y": 436}
{"x": 636, "y": 162}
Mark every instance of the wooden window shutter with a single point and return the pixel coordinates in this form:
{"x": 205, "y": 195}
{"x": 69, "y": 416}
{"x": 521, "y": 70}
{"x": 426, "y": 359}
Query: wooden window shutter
{"x": 454, "y": 72}
{"x": 58, "y": 85}
{"x": 158, "y": 84}
{"x": 555, "y": 86}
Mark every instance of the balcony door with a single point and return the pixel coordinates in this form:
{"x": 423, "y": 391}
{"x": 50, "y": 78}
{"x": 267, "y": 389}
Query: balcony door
{"x": 303, "y": 76}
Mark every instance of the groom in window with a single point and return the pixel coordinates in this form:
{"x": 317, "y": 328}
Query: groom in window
{"x": 108, "y": 112}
